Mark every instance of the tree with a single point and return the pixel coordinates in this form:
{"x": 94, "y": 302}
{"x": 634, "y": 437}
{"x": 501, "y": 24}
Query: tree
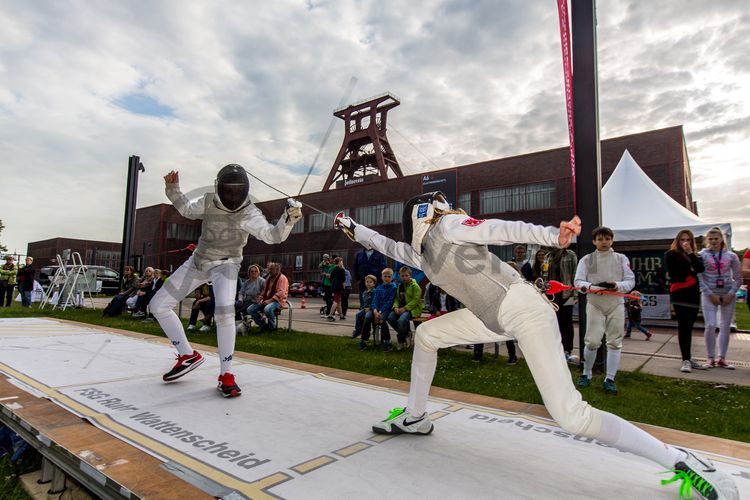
{"x": 3, "y": 248}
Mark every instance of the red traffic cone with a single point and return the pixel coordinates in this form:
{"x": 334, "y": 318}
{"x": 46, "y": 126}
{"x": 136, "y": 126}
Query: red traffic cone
{"x": 302, "y": 304}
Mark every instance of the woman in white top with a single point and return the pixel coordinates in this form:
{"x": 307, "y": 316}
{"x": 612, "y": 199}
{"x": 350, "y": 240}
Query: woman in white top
{"x": 719, "y": 284}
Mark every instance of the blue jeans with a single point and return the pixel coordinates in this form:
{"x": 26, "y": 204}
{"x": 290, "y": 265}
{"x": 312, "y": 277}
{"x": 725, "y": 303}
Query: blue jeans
{"x": 25, "y": 295}
{"x": 269, "y": 311}
{"x": 367, "y": 327}
{"x": 400, "y": 323}
{"x": 636, "y": 324}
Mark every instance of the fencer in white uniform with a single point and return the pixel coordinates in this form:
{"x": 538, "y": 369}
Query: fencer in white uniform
{"x": 451, "y": 248}
{"x": 229, "y": 217}
{"x": 606, "y": 270}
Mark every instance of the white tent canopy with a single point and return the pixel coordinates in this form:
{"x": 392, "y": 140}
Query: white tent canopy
{"x": 638, "y": 210}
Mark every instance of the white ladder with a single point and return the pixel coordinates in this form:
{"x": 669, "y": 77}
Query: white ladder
{"x": 77, "y": 284}
{"x": 56, "y": 283}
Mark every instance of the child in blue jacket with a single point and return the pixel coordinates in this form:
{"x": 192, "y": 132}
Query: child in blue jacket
{"x": 382, "y": 302}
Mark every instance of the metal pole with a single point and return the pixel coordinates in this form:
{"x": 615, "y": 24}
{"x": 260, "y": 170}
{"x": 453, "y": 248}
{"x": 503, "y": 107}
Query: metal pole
{"x": 131, "y": 193}
{"x": 586, "y": 134}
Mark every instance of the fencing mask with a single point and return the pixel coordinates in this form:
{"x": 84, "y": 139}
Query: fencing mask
{"x": 417, "y": 212}
{"x": 232, "y": 188}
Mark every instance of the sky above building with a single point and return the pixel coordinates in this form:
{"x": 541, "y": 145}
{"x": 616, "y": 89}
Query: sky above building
{"x": 192, "y": 86}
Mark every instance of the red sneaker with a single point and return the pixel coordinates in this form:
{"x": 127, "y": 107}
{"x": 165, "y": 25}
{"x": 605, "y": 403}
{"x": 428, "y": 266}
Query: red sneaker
{"x": 228, "y": 387}
{"x": 184, "y": 365}
{"x": 649, "y": 335}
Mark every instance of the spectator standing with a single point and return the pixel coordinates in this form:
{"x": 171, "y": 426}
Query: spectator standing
{"x": 250, "y": 292}
{"x": 382, "y": 303}
{"x": 538, "y": 265}
{"x": 338, "y": 278}
{"x": 367, "y": 262}
{"x": 345, "y": 294}
{"x": 746, "y": 273}
{"x": 273, "y": 298}
{"x": 326, "y": 266}
{"x": 521, "y": 263}
{"x": 25, "y": 280}
{"x": 365, "y": 310}
{"x": 8, "y": 276}
{"x": 406, "y": 305}
{"x": 560, "y": 265}
{"x": 683, "y": 264}
{"x": 634, "y": 309}
{"x": 604, "y": 269}
{"x": 719, "y": 282}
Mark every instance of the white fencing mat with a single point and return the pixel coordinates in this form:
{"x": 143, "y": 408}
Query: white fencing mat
{"x": 301, "y": 435}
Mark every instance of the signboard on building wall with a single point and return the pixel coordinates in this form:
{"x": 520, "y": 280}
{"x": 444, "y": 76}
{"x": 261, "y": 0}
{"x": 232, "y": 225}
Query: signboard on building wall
{"x": 298, "y": 263}
{"x": 442, "y": 181}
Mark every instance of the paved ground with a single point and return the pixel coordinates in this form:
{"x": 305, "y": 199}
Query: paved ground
{"x": 659, "y": 356}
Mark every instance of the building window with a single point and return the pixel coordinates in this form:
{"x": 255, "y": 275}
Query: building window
{"x": 323, "y": 222}
{"x": 387, "y": 213}
{"x": 503, "y": 252}
{"x": 464, "y": 202}
{"x": 299, "y": 226}
{"x": 183, "y": 232}
{"x": 518, "y": 198}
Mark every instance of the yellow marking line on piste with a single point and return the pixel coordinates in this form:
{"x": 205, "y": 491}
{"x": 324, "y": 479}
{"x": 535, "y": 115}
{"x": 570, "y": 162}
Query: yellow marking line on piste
{"x": 314, "y": 464}
{"x": 252, "y": 489}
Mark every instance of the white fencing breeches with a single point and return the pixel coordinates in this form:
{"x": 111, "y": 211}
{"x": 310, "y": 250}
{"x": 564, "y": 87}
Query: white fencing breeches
{"x": 179, "y": 285}
{"x": 526, "y": 316}
{"x": 599, "y": 323}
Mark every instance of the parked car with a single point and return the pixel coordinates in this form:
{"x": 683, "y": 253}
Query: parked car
{"x": 109, "y": 277}
{"x": 304, "y": 288}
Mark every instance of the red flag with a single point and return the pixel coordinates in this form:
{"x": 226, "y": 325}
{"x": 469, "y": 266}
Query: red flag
{"x": 562, "y": 10}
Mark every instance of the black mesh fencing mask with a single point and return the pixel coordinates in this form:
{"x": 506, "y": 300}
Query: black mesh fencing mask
{"x": 233, "y": 187}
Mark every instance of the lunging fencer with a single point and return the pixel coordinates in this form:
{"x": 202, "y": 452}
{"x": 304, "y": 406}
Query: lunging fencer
{"x": 451, "y": 248}
{"x": 229, "y": 217}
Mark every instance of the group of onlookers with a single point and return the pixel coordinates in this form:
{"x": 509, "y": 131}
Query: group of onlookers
{"x": 12, "y": 276}
{"x": 706, "y": 280}
{"x": 136, "y": 292}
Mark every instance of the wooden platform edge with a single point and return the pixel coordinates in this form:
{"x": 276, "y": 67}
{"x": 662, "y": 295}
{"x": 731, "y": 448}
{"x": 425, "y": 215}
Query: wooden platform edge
{"x": 101, "y": 462}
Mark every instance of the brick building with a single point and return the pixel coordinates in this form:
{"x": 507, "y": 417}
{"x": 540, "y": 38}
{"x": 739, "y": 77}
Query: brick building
{"x": 534, "y": 187}
{"x": 97, "y": 253}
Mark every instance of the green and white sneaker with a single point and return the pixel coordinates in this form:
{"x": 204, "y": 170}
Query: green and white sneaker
{"x": 401, "y": 422}
{"x": 699, "y": 474}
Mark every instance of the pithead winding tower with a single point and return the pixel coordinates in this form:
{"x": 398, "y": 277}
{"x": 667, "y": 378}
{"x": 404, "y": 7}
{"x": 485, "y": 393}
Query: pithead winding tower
{"x": 365, "y": 153}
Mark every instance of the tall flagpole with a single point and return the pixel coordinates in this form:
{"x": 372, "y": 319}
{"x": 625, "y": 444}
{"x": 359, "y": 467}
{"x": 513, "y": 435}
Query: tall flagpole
{"x": 588, "y": 178}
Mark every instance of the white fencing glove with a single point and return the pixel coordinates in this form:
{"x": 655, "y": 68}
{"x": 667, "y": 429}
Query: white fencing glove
{"x": 293, "y": 210}
{"x": 346, "y": 224}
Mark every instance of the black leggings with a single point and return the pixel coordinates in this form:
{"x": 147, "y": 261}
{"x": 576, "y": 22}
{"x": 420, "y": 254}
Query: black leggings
{"x": 6, "y": 294}
{"x": 685, "y": 320}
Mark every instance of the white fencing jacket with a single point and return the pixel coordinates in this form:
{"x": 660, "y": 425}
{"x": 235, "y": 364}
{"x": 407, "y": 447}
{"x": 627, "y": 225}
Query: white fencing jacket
{"x": 224, "y": 234}
{"x": 455, "y": 257}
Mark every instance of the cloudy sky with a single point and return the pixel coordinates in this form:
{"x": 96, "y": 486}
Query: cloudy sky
{"x": 195, "y": 85}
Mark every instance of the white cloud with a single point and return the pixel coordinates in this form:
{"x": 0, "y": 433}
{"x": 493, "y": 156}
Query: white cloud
{"x": 257, "y": 83}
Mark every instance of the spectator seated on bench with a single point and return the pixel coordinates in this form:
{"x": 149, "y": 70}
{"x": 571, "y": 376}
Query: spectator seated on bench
{"x": 406, "y": 305}
{"x": 273, "y": 299}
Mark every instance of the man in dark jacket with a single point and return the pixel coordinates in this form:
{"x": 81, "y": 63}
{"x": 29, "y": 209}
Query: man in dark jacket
{"x": 366, "y": 262}
{"x": 25, "y": 281}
